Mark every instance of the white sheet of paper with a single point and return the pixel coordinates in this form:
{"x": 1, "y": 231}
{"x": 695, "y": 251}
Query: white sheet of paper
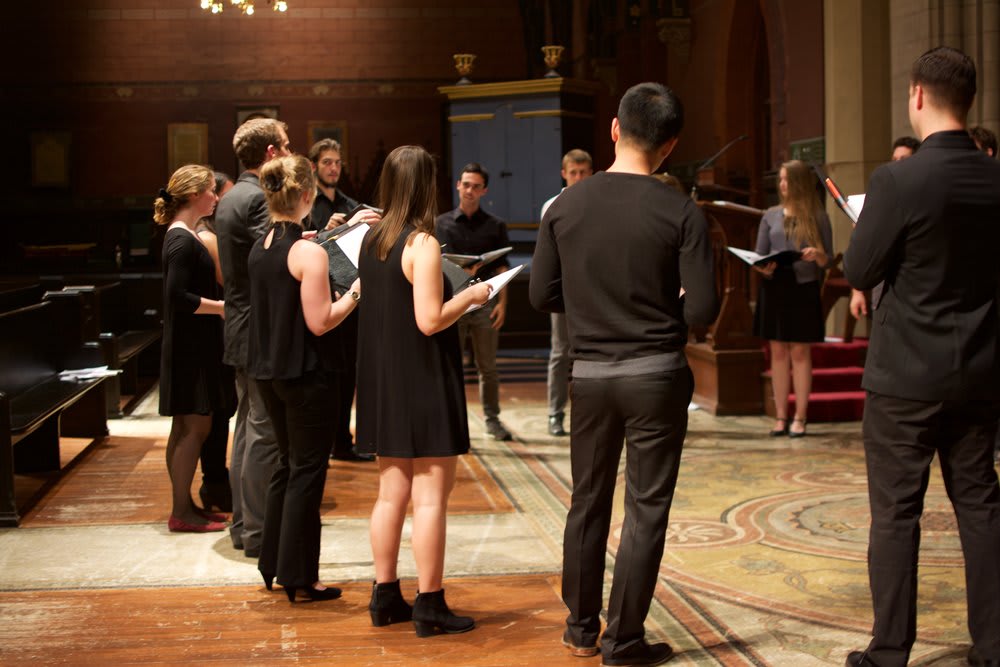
{"x": 498, "y": 282}
{"x": 350, "y": 243}
{"x": 748, "y": 256}
{"x": 856, "y": 202}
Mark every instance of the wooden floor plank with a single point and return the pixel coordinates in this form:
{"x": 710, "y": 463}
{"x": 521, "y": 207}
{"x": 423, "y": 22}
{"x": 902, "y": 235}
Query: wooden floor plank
{"x": 238, "y": 624}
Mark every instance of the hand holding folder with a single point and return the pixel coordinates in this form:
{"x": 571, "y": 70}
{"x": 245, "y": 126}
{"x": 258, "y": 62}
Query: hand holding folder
{"x": 343, "y": 249}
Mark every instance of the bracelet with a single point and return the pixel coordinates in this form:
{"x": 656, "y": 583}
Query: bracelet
{"x": 354, "y": 295}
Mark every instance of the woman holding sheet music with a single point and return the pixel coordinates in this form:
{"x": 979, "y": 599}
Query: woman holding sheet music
{"x": 411, "y": 398}
{"x": 295, "y": 367}
{"x": 789, "y": 314}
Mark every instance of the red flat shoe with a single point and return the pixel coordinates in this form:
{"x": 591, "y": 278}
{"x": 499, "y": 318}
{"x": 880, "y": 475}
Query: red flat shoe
{"x": 211, "y": 516}
{"x": 177, "y": 526}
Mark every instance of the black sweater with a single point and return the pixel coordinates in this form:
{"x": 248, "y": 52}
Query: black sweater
{"x": 613, "y": 252}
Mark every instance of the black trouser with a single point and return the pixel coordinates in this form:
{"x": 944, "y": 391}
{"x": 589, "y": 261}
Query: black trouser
{"x": 304, "y": 414}
{"x": 650, "y": 413}
{"x": 901, "y": 437}
{"x": 213, "y": 450}
{"x": 343, "y": 443}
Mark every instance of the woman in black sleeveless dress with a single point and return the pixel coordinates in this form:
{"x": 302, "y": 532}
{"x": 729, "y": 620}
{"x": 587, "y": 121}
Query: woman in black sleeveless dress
{"x": 191, "y": 388}
{"x": 295, "y": 365}
{"x": 411, "y": 398}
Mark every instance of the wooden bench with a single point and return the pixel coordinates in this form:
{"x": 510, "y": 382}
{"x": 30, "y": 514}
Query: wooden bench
{"x": 36, "y": 405}
{"x": 18, "y": 295}
{"x": 124, "y": 315}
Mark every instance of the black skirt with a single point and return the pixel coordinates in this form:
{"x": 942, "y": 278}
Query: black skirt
{"x": 787, "y": 310}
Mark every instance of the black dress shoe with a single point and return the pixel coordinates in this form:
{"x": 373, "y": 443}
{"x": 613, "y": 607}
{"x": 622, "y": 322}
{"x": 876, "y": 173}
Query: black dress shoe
{"x": 585, "y": 650}
{"x": 979, "y": 661}
{"x": 556, "y": 425}
{"x": 352, "y": 456}
{"x": 859, "y": 659}
{"x": 640, "y": 654}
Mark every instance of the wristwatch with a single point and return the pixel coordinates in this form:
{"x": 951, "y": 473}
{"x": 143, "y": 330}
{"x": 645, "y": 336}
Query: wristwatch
{"x": 354, "y": 295}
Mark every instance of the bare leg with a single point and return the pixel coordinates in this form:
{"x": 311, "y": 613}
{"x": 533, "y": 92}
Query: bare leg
{"x": 433, "y": 479}
{"x": 187, "y": 433}
{"x": 802, "y": 381}
{"x": 395, "y": 478}
{"x": 780, "y": 381}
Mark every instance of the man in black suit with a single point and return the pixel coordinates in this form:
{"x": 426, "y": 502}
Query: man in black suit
{"x": 240, "y": 219}
{"x": 930, "y": 229}
{"x": 627, "y": 325}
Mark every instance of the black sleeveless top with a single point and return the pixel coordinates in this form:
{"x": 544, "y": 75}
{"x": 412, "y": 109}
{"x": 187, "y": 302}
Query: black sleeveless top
{"x": 281, "y": 347}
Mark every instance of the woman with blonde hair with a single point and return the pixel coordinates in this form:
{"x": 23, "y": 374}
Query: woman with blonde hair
{"x": 411, "y": 397}
{"x": 191, "y": 388}
{"x": 789, "y": 313}
{"x": 295, "y": 359}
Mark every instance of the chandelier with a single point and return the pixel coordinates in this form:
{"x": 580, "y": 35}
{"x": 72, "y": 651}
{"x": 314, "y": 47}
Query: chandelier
{"x": 246, "y": 6}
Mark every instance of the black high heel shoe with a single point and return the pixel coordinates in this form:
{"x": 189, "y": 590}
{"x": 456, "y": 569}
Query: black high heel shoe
{"x": 387, "y": 605}
{"x": 314, "y": 594}
{"x": 798, "y": 434}
{"x": 268, "y": 580}
{"x": 780, "y": 431}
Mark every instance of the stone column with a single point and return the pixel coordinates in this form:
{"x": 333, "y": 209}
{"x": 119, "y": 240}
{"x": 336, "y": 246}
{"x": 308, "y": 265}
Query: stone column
{"x": 857, "y": 109}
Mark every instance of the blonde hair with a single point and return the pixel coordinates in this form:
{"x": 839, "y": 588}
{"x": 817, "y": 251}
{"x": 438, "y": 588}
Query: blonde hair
{"x": 284, "y": 180}
{"x": 577, "y": 156}
{"x": 188, "y": 181}
{"x": 803, "y": 206}
{"x": 407, "y": 195}
{"x": 252, "y": 139}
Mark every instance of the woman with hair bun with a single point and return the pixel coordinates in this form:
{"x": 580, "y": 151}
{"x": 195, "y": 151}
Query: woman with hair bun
{"x": 191, "y": 387}
{"x": 789, "y": 314}
{"x": 295, "y": 362}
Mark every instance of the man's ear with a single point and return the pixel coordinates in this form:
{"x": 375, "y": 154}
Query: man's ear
{"x": 918, "y": 92}
{"x": 615, "y": 130}
{"x": 667, "y": 148}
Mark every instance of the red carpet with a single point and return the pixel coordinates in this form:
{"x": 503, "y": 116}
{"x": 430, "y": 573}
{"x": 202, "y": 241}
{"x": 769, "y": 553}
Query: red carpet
{"x": 836, "y": 388}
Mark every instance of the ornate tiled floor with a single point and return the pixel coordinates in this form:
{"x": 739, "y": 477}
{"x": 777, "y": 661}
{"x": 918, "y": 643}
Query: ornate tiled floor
{"x": 765, "y": 558}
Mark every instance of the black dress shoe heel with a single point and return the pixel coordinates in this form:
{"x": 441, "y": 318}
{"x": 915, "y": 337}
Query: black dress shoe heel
{"x": 268, "y": 580}
{"x": 431, "y": 616}
{"x": 216, "y": 495}
{"x": 314, "y": 594}
{"x": 780, "y": 431}
{"x": 387, "y": 605}
{"x": 798, "y": 434}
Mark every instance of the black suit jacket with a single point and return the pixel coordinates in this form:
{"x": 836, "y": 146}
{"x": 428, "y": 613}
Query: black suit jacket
{"x": 240, "y": 219}
{"x": 930, "y": 229}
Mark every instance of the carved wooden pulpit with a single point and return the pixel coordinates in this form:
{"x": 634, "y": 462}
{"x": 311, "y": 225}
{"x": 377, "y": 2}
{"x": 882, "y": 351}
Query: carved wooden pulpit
{"x": 726, "y": 359}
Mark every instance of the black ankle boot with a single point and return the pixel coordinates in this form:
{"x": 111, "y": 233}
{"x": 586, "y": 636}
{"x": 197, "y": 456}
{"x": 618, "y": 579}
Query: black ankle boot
{"x": 431, "y": 616}
{"x": 387, "y": 605}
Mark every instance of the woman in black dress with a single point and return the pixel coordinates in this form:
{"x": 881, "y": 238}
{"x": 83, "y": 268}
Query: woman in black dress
{"x": 789, "y": 314}
{"x": 411, "y": 397}
{"x": 191, "y": 387}
{"x": 295, "y": 366}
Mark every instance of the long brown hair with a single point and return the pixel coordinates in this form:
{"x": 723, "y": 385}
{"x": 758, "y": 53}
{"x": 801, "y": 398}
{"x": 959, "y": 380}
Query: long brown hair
{"x": 406, "y": 195}
{"x": 802, "y": 205}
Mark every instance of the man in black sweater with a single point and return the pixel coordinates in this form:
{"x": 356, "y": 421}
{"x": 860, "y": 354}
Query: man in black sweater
{"x": 614, "y": 252}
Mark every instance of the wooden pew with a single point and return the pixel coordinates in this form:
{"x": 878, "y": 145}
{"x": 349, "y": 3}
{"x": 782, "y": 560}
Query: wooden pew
{"x": 36, "y": 406}
{"x": 123, "y": 313}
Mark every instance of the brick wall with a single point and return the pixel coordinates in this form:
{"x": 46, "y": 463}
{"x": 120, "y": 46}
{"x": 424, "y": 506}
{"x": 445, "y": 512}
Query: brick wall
{"x": 114, "y": 73}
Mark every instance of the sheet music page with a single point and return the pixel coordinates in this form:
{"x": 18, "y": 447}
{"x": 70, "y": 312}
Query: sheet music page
{"x": 350, "y": 242}
{"x": 498, "y": 282}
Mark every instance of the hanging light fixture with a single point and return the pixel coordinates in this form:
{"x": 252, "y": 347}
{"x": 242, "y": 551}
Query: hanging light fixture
{"x": 245, "y": 6}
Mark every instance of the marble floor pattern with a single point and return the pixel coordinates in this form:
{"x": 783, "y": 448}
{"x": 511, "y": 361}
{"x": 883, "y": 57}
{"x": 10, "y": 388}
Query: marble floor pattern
{"x": 764, "y": 564}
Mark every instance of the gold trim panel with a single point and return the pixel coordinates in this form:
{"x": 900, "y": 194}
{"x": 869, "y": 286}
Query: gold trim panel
{"x": 546, "y": 113}
{"x": 530, "y": 87}
{"x": 471, "y": 117}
